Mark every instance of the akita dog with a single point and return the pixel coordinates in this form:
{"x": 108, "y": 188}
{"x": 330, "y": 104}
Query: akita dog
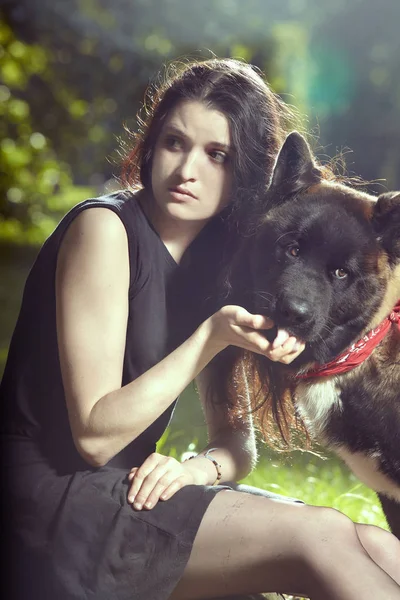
{"x": 324, "y": 265}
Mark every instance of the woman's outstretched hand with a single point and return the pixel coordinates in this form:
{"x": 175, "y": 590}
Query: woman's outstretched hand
{"x": 234, "y": 325}
{"x": 159, "y": 478}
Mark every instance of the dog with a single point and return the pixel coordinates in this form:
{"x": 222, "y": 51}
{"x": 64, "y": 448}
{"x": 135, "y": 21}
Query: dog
{"x": 324, "y": 265}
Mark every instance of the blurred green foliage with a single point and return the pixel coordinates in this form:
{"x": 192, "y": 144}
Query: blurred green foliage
{"x": 31, "y": 172}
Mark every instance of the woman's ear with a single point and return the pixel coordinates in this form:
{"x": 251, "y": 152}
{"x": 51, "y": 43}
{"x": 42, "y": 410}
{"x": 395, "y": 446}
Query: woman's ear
{"x": 386, "y": 223}
{"x": 295, "y": 168}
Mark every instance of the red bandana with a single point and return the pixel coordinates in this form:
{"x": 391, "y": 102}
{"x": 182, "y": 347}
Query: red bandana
{"x": 358, "y": 352}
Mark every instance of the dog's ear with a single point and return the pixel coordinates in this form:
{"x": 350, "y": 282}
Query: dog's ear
{"x": 386, "y": 222}
{"x": 295, "y": 168}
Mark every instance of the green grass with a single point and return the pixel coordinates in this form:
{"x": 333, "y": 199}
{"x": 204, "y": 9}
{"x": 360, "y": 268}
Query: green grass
{"x": 320, "y": 482}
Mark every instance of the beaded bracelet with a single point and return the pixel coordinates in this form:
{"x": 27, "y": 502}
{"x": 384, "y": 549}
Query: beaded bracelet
{"x": 215, "y": 463}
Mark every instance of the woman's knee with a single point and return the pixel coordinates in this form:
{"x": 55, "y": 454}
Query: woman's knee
{"x": 382, "y": 546}
{"x": 329, "y": 528}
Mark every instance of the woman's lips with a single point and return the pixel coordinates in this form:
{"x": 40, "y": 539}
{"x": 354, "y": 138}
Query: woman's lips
{"x": 181, "y": 194}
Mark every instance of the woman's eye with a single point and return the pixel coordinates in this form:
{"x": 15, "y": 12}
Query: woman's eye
{"x": 172, "y": 142}
{"x": 340, "y": 273}
{"x": 293, "y": 250}
{"x": 219, "y": 156}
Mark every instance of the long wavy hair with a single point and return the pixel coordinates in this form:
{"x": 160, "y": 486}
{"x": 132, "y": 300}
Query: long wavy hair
{"x": 259, "y": 122}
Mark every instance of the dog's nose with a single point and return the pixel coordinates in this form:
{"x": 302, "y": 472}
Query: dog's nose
{"x": 295, "y": 311}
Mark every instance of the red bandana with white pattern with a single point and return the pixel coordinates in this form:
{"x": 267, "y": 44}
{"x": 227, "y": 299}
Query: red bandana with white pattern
{"x": 358, "y": 352}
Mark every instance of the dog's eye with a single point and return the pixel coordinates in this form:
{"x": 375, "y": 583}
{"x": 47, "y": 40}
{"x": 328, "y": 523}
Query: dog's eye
{"x": 293, "y": 250}
{"x": 340, "y": 273}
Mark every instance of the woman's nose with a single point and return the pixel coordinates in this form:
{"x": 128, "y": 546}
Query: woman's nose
{"x": 188, "y": 166}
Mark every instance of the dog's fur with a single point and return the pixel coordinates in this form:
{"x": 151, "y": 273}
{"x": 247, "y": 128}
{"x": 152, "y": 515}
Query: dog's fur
{"x": 324, "y": 264}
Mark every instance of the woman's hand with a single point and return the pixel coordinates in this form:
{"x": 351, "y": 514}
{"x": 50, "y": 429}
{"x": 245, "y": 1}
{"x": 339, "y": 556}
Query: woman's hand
{"x": 159, "y": 478}
{"x": 234, "y": 325}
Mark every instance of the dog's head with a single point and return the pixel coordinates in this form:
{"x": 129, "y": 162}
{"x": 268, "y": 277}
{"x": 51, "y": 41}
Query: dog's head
{"x": 325, "y": 259}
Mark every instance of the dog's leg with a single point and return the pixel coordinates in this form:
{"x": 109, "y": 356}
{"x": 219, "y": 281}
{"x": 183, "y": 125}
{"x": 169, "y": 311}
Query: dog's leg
{"x": 391, "y": 508}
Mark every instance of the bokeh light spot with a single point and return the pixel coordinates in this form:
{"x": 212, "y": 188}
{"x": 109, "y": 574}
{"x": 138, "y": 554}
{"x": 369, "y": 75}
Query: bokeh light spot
{"x": 37, "y": 141}
{"x": 4, "y": 93}
{"x": 15, "y": 195}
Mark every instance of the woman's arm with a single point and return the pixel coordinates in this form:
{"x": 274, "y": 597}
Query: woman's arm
{"x": 231, "y": 435}
{"x": 92, "y": 286}
{"x": 234, "y": 440}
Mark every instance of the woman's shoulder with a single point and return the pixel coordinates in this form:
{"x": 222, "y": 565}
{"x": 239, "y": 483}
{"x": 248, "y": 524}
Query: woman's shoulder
{"x": 100, "y": 228}
{"x": 123, "y": 202}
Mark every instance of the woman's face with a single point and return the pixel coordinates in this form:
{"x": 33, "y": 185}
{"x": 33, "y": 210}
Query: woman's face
{"x": 191, "y": 171}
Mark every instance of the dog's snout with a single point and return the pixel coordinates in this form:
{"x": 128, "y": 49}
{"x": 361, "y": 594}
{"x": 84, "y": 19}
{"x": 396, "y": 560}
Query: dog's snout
{"x": 295, "y": 311}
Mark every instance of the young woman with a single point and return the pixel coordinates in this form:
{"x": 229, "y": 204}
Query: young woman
{"x": 97, "y": 361}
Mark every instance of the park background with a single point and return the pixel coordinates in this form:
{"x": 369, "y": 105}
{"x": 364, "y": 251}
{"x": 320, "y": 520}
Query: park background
{"x": 73, "y": 73}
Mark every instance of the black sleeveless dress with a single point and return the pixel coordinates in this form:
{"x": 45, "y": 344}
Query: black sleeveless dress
{"x": 68, "y": 531}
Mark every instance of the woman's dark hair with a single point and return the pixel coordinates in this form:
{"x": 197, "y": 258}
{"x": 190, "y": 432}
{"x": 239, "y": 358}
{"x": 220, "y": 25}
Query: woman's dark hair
{"x": 258, "y": 121}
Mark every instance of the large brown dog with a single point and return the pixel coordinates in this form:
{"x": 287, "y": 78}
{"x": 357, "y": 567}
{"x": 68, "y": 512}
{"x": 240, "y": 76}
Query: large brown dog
{"x": 324, "y": 264}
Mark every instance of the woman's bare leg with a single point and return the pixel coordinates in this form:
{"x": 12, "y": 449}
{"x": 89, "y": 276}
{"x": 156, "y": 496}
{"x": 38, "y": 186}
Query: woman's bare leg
{"x": 247, "y": 544}
{"x": 382, "y": 546}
